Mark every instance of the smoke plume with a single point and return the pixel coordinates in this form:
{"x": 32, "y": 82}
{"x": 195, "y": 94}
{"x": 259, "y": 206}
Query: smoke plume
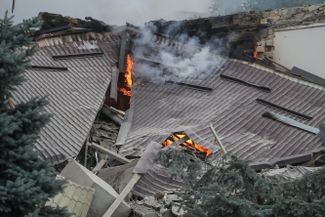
{"x": 188, "y": 59}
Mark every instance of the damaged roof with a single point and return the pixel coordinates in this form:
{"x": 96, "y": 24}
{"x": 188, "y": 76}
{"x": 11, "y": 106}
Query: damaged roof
{"x": 235, "y": 109}
{"x": 74, "y": 76}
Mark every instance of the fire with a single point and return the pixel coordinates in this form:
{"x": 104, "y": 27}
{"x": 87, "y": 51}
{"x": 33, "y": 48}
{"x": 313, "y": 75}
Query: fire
{"x": 189, "y": 143}
{"x": 255, "y": 54}
{"x": 128, "y": 72}
{"x": 125, "y": 92}
{"x": 128, "y": 77}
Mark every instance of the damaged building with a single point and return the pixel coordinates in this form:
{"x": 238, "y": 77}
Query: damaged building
{"x": 110, "y": 119}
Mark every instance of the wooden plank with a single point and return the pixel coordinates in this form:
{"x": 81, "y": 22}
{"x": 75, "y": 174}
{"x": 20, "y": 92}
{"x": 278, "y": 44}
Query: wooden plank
{"x": 135, "y": 178}
{"x": 110, "y": 153}
{"x": 86, "y": 153}
{"x": 218, "y": 139}
{"x": 100, "y": 165}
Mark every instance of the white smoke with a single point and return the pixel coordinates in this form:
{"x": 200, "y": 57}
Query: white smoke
{"x": 189, "y": 59}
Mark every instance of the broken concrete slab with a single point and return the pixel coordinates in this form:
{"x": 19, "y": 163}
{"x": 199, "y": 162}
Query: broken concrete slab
{"x": 118, "y": 176}
{"x": 104, "y": 195}
{"x": 75, "y": 198}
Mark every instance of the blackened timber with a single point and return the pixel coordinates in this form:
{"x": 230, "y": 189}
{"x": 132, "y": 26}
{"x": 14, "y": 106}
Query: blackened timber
{"x": 257, "y": 86}
{"x": 55, "y": 29}
{"x": 291, "y": 122}
{"x": 77, "y": 55}
{"x": 49, "y": 67}
{"x": 284, "y": 109}
{"x": 197, "y": 87}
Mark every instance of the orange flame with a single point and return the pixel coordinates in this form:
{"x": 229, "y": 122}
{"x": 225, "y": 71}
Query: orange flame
{"x": 190, "y": 144}
{"x": 128, "y": 77}
{"x": 255, "y": 54}
{"x": 128, "y": 72}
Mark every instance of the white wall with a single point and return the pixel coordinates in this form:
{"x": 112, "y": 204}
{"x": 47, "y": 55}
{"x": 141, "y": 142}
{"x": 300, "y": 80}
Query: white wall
{"x": 304, "y": 48}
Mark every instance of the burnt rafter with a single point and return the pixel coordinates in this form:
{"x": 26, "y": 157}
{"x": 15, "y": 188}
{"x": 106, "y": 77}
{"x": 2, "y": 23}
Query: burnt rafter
{"x": 197, "y": 87}
{"x": 262, "y": 101}
{"x": 89, "y": 54}
{"x": 291, "y": 122}
{"x": 251, "y": 84}
{"x": 63, "y": 68}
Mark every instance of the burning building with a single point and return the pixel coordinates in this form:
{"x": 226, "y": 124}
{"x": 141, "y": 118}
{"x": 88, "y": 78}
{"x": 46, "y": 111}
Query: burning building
{"x": 169, "y": 85}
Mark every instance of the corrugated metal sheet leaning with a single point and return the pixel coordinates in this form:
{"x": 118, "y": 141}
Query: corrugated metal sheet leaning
{"x": 75, "y": 95}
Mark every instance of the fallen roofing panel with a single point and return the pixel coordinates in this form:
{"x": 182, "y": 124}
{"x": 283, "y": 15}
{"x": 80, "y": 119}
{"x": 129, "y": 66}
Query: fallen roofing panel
{"x": 75, "y": 95}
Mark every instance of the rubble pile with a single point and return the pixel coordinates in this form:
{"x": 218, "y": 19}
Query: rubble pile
{"x": 105, "y": 134}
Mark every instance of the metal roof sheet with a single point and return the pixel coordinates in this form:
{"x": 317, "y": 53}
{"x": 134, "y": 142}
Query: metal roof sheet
{"x": 159, "y": 109}
{"x": 74, "y": 96}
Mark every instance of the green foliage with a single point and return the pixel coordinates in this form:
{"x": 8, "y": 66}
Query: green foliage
{"x": 233, "y": 189}
{"x": 26, "y": 182}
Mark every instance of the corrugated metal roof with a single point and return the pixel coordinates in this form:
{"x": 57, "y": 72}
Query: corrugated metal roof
{"x": 74, "y": 96}
{"x": 75, "y": 198}
{"x": 159, "y": 109}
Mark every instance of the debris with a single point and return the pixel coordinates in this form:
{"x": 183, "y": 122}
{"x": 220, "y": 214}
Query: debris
{"x": 248, "y": 83}
{"x": 104, "y": 195}
{"x": 99, "y": 166}
{"x": 72, "y": 55}
{"x": 143, "y": 211}
{"x": 283, "y": 108}
{"x": 111, "y": 154}
{"x": 75, "y": 198}
{"x": 111, "y": 210}
{"x": 118, "y": 176}
{"x": 291, "y": 122}
{"x": 218, "y": 139}
{"x": 289, "y": 173}
{"x": 112, "y": 115}
{"x": 49, "y": 67}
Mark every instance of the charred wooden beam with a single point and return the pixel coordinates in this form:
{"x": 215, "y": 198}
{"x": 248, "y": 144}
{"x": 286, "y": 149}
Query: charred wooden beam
{"x": 197, "y": 87}
{"x": 251, "y": 84}
{"x": 49, "y": 67}
{"x": 62, "y": 56}
{"x": 284, "y": 109}
{"x": 291, "y": 122}
{"x": 53, "y": 30}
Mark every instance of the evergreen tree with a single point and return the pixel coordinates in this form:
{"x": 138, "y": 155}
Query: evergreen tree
{"x": 26, "y": 182}
{"x": 233, "y": 189}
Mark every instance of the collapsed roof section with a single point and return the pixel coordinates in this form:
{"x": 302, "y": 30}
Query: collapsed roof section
{"x": 234, "y": 109}
{"x": 74, "y": 76}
